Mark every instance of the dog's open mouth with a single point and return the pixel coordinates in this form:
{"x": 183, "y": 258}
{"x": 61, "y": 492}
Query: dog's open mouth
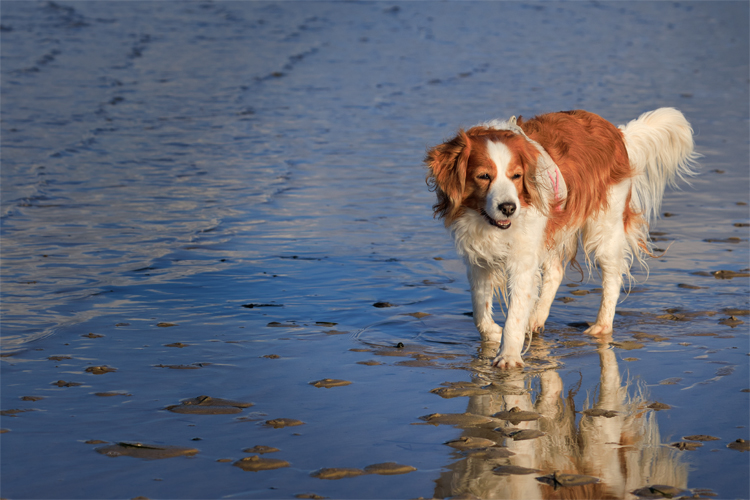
{"x": 502, "y": 223}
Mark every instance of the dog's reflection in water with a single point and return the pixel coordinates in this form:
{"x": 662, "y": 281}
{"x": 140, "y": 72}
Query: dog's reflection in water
{"x": 624, "y": 451}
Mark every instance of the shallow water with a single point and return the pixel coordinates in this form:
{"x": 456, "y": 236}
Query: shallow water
{"x": 175, "y": 163}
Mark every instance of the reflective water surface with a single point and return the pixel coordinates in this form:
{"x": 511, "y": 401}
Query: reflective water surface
{"x": 218, "y": 198}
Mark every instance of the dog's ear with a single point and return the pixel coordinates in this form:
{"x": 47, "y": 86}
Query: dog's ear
{"x": 447, "y": 165}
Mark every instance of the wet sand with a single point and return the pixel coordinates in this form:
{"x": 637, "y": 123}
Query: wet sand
{"x": 222, "y": 279}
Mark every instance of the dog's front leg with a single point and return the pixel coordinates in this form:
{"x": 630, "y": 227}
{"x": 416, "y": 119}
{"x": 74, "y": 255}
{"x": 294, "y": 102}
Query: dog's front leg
{"x": 553, "y": 275}
{"x": 524, "y": 291}
{"x": 482, "y": 296}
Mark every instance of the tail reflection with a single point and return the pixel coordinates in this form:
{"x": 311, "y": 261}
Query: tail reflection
{"x": 614, "y": 438}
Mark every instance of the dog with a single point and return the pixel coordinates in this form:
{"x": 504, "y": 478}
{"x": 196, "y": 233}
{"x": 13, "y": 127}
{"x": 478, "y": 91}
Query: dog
{"x": 517, "y": 196}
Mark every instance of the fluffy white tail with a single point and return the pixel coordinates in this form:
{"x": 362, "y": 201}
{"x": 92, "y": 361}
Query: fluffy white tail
{"x": 660, "y": 147}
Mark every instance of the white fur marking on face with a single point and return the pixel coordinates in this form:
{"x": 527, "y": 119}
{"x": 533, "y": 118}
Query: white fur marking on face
{"x": 501, "y": 155}
{"x": 502, "y": 189}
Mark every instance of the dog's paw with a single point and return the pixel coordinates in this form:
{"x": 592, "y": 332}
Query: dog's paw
{"x": 598, "y": 329}
{"x": 508, "y": 361}
{"x": 536, "y": 323}
{"x": 490, "y": 332}
{"x": 536, "y": 327}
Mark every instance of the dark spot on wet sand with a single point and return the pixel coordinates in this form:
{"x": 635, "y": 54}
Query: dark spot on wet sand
{"x": 739, "y": 445}
{"x": 731, "y": 321}
{"x": 700, "y": 437}
{"x": 15, "y": 411}
{"x": 32, "y": 398}
{"x": 460, "y": 391}
{"x": 204, "y": 410}
{"x": 470, "y": 443}
{"x": 627, "y": 345}
{"x": 62, "y": 383}
{"x": 100, "y": 370}
{"x": 194, "y": 366}
{"x": 686, "y": 445}
{"x": 276, "y": 324}
{"x": 731, "y": 239}
{"x": 649, "y": 336}
{"x": 330, "y": 382}
{"x": 460, "y": 420}
{"x": 524, "y": 434}
{"x": 728, "y": 275}
{"x": 337, "y": 473}
{"x": 507, "y": 470}
{"x": 691, "y": 287}
{"x": 659, "y": 406}
{"x": 516, "y": 415}
{"x": 670, "y": 381}
{"x": 389, "y": 469}
{"x": 557, "y": 480}
{"x": 659, "y": 491}
{"x": 491, "y": 453}
{"x": 256, "y": 463}
{"x": 279, "y": 423}
{"x": 261, "y": 449}
{"x": 147, "y": 451}
{"x": 206, "y": 405}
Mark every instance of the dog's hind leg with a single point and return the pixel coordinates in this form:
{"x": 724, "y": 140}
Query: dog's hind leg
{"x": 611, "y": 284}
{"x": 606, "y": 235}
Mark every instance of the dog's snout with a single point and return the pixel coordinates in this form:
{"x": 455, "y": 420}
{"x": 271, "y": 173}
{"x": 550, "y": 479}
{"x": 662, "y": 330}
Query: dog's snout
{"x": 507, "y": 208}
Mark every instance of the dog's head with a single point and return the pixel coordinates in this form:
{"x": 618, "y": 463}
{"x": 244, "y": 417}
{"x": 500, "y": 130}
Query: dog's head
{"x": 491, "y": 171}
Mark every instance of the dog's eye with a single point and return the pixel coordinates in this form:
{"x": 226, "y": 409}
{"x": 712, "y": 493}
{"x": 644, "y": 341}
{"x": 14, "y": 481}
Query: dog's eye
{"x": 485, "y": 177}
{"x": 516, "y": 176}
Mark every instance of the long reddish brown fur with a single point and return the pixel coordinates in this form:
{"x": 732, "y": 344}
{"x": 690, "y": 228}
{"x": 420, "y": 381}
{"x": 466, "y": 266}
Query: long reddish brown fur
{"x": 591, "y": 155}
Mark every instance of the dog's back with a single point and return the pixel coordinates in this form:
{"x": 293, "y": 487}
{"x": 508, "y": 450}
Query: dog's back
{"x": 591, "y": 155}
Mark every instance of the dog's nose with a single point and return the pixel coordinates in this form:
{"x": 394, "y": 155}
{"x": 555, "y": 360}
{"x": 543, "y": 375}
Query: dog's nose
{"x": 507, "y": 208}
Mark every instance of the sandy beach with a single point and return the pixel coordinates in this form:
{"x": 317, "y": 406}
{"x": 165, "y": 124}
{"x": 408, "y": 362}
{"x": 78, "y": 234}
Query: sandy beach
{"x": 221, "y": 277}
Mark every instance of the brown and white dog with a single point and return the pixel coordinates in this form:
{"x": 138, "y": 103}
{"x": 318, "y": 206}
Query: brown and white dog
{"x": 518, "y": 195}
